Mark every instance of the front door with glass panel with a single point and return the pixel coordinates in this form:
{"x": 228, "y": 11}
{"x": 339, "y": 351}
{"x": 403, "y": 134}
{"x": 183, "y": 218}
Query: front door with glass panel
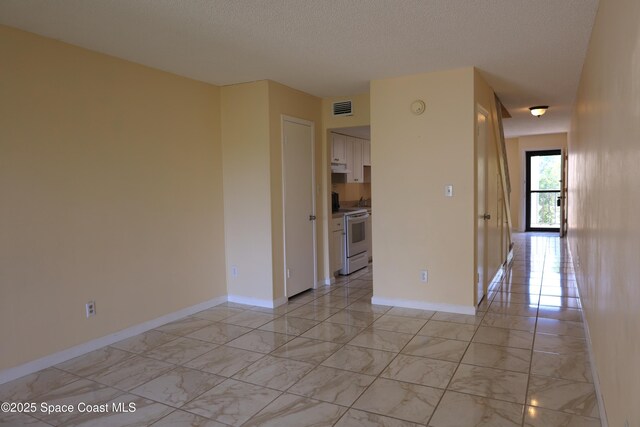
{"x": 544, "y": 180}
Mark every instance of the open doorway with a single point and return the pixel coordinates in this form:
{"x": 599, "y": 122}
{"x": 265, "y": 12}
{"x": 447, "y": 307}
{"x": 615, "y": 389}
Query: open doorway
{"x": 544, "y": 186}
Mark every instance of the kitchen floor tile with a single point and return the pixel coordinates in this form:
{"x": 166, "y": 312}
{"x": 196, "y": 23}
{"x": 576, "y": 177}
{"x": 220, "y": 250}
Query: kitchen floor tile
{"x": 307, "y": 350}
{"x": 333, "y": 332}
{"x": 411, "y": 312}
{"x": 224, "y": 361}
{"x": 381, "y": 340}
{"x": 497, "y": 320}
{"x": 407, "y": 325}
{"x": 573, "y": 366}
{"x": 289, "y": 325}
{"x": 457, "y": 318}
{"x": 563, "y": 395}
{"x": 219, "y": 333}
{"x": 539, "y": 417}
{"x": 260, "y": 341}
{"x": 489, "y": 382}
{"x": 291, "y": 410}
{"x": 177, "y": 387}
{"x": 504, "y": 337}
{"x": 449, "y": 330}
{"x": 332, "y": 385}
{"x": 436, "y": 348}
{"x": 355, "y": 418}
{"x": 95, "y": 361}
{"x": 560, "y": 327}
{"x": 144, "y": 342}
{"x": 458, "y": 409}
{"x": 353, "y": 318}
{"x": 232, "y": 402}
{"x": 559, "y": 344}
{"x": 180, "y": 350}
{"x": 409, "y": 402}
{"x": 35, "y": 384}
{"x": 184, "y": 326}
{"x": 130, "y": 373}
{"x": 146, "y": 413}
{"x": 249, "y": 319}
{"x": 88, "y": 392}
{"x": 182, "y": 418}
{"x": 420, "y": 370}
{"x": 360, "y": 359}
{"x": 493, "y": 356}
{"x": 274, "y": 372}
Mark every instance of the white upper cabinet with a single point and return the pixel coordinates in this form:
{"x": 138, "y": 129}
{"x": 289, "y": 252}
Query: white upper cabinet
{"x": 366, "y": 153}
{"x": 355, "y": 153}
{"x": 354, "y": 160}
{"x": 338, "y": 148}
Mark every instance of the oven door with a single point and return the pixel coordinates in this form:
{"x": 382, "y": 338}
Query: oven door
{"x": 357, "y": 238}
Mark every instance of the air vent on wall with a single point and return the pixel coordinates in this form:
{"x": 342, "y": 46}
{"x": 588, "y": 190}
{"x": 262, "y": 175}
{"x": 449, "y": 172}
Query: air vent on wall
{"x": 342, "y": 108}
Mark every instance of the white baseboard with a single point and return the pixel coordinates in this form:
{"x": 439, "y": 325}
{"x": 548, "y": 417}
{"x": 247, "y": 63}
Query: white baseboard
{"x": 592, "y": 360}
{"x": 258, "y": 302}
{"x": 78, "y": 350}
{"x": 422, "y": 305}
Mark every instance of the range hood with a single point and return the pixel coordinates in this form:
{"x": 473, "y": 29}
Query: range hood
{"x": 339, "y": 168}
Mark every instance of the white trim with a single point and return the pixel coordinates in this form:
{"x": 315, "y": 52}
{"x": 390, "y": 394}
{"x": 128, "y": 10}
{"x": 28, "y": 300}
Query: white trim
{"x": 594, "y": 372}
{"x": 285, "y": 118}
{"x": 84, "y": 348}
{"x": 258, "y": 302}
{"x": 328, "y": 281}
{"x": 422, "y": 305}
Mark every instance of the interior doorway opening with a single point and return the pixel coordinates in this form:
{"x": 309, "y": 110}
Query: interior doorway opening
{"x": 544, "y": 190}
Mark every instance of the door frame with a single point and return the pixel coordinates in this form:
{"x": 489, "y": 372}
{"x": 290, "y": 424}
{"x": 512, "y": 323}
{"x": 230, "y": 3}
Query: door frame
{"x": 286, "y": 118}
{"x": 527, "y": 190}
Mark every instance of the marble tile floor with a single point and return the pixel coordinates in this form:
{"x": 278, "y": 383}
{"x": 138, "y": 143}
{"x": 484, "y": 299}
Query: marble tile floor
{"x": 331, "y": 358}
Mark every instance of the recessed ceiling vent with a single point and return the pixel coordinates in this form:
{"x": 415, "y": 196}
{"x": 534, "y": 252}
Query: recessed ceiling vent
{"x": 342, "y": 108}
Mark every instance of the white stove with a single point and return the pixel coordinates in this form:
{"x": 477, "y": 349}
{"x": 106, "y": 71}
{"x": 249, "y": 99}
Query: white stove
{"x": 356, "y": 240}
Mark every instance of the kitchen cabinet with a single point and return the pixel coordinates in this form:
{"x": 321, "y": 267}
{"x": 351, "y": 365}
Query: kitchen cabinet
{"x": 337, "y": 244}
{"x": 366, "y": 153}
{"x": 354, "y": 160}
{"x": 338, "y": 148}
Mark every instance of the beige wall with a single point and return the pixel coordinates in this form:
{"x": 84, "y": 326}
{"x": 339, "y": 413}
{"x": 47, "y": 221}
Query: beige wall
{"x": 516, "y": 153}
{"x": 111, "y": 189}
{"x": 604, "y": 202}
{"x": 416, "y": 226}
{"x": 247, "y": 189}
{"x": 286, "y": 101}
{"x": 361, "y": 117}
{"x": 252, "y": 148}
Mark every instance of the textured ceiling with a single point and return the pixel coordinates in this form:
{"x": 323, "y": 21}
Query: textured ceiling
{"x": 531, "y": 52}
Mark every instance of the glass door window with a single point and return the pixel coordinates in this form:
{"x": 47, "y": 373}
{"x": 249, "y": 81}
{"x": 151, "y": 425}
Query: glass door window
{"x": 544, "y": 190}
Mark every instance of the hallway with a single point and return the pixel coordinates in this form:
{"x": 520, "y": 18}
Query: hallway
{"x": 330, "y": 357}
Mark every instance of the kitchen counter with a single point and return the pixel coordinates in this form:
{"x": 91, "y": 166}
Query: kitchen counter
{"x": 343, "y": 211}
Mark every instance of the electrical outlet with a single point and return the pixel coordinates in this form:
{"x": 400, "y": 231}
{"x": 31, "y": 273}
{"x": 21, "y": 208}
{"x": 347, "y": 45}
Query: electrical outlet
{"x": 234, "y": 271}
{"x": 424, "y": 276}
{"x": 90, "y": 308}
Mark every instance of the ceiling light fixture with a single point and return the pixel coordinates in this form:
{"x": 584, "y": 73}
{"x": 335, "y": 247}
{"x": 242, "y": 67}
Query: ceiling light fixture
{"x": 538, "y": 110}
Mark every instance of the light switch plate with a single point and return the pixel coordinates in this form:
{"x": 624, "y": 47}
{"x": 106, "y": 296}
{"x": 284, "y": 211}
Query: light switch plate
{"x": 448, "y": 190}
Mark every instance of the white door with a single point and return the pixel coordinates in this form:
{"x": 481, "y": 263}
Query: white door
{"x": 299, "y": 206}
{"x": 483, "y": 216}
